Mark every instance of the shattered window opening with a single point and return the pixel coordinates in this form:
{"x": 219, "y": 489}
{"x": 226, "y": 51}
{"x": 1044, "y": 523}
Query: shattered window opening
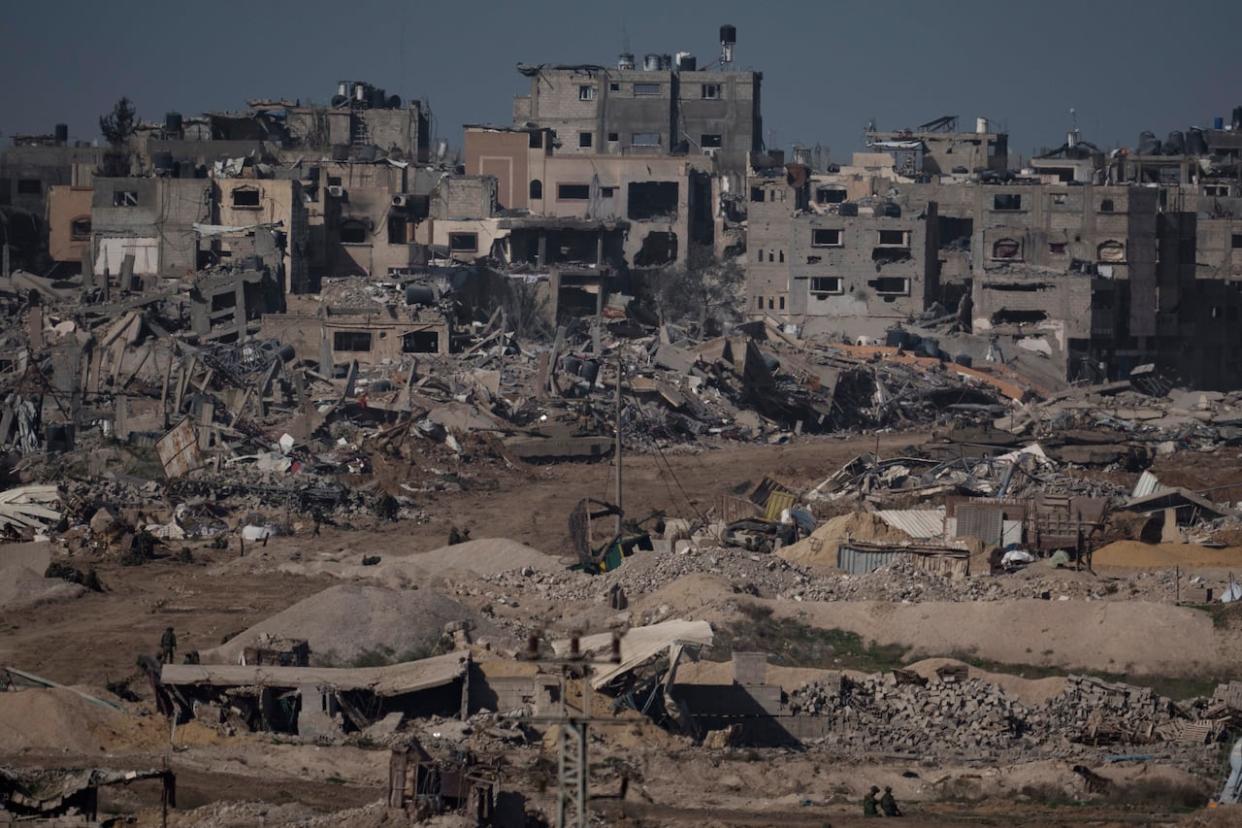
{"x": 652, "y": 200}
{"x": 1007, "y": 201}
{"x": 246, "y": 198}
{"x": 397, "y": 230}
{"x": 646, "y": 90}
{"x": 420, "y": 342}
{"x": 1237, "y": 241}
{"x": 1106, "y": 205}
{"x": 80, "y": 228}
{"x": 353, "y": 232}
{"x": 585, "y": 139}
{"x": 536, "y": 140}
{"x": 894, "y": 238}
{"x": 1009, "y": 316}
{"x": 891, "y": 286}
{"x": 822, "y": 286}
{"x": 29, "y": 186}
{"x": 826, "y": 237}
{"x": 355, "y": 341}
{"x": 125, "y": 198}
{"x": 645, "y": 139}
{"x": 1110, "y": 251}
{"x": 573, "y": 192}
{"x": 830, "y": 195}
{"x": 1007, "y": 250}
{"x": 614, "y": 137}
{"x": 710, "y": 141}
{"x": 756, "y": 194}
{"x": 586, "y": 92}
{"x": 463, "y": 242}
{"x": 711, "y": 91}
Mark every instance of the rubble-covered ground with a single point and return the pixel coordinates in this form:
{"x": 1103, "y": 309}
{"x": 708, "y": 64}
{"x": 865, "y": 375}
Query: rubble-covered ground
{"x": 420, "y": 507}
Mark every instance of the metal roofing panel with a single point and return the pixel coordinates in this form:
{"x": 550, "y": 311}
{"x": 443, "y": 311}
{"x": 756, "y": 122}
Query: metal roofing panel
{"x": 917, "y": 523}
{"x": 1147, "y": 484}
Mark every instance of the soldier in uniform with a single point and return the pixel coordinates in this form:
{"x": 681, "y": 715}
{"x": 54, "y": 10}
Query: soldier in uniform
{"x": 869, "y": 803}
{"x": 168, "y": 645}
{"x": 889, "y": 805}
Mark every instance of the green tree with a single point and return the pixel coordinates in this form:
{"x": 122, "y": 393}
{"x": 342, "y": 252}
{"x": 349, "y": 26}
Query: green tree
{"x": 120, "y": 123}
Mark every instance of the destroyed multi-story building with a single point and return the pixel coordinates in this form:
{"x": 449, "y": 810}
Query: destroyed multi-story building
{"x": 870, "y": 263}
{"x": 667, "y": 104}
{"x": 938, "y": 147}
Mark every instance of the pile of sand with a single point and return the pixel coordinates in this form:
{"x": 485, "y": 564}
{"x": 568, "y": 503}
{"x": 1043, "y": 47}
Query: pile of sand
{"x": 347, "y": 621}
{"x": 1165, "y": 555}
{"x": 398, "y": 569}
{"x": 61, "y": 720}
{"x": 820, "y": 549}
{"x": 485, "y": 556}
{"x": 22, "y": 588}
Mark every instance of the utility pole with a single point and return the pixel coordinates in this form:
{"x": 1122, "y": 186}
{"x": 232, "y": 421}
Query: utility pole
{"x": 617, "y": 449}
{"x": 573, "y": 794}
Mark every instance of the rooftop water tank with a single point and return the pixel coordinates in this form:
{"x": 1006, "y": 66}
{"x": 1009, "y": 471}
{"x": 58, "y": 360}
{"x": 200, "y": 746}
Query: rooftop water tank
{"x": 651, "y": 62}
{"x": 625, "y": 60}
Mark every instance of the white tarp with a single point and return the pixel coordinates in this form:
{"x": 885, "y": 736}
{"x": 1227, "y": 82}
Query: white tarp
{"x": 113, "y": 250}
{"x": 638, "y": 645}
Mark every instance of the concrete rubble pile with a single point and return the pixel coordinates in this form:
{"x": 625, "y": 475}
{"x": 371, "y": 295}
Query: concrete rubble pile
{"x": 951, "y": 714}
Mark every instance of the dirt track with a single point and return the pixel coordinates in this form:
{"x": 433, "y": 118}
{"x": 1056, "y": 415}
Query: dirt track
{"x": 96, "y": 638}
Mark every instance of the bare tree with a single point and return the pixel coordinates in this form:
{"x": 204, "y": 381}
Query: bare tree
{"x": 704, "y": 292}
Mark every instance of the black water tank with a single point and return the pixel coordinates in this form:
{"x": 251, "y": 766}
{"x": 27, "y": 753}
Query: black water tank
{"x": 394, "y": 101}
{"x": 420, "y": 295}
{"x": 62, "y": 133}
{"x": 1175, "y": 144}
{"x": 728, "y": 34}
{"x": 163, "y": 162}
{"x": 1148, "y": 143}
{"x": 172, "y": 123}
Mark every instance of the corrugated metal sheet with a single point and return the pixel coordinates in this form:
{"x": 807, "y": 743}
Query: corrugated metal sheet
{"x": 917, "y": 523}
{"x": 975, "y": 520}
{"x": 777, "y": 503}
{"x": 178, "y": 449}
{"x": 857, "y": 561}
{"x": 1147, "y": 485}
{"x": 857, "y": 558}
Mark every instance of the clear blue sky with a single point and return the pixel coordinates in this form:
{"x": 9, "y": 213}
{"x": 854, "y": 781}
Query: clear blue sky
{"x": 828, "y": 65}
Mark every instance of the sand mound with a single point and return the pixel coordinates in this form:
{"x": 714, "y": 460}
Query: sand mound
{"x": 61, "y": 720}
{"x": 485, "y": 556}
{"x": 22, "y": 588}
{"x": 820, "y": 549}
{"x": 687, "y": 594}
{"x": 398, "y": 569}
{"x": 345, "y": 622}
{"x": 1165, "y": 555}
